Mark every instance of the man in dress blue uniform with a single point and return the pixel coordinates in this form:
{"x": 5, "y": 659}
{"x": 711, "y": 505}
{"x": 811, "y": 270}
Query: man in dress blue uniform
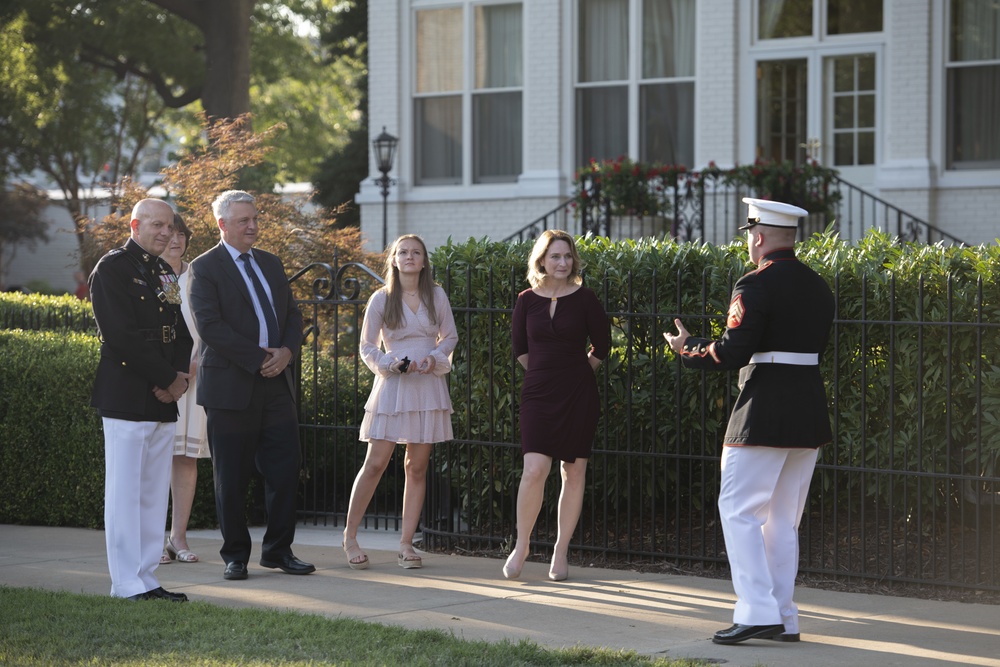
{"x": 145, "y": 349}
{"x": 778, "y": 324}
{"x": 251, "y": 328}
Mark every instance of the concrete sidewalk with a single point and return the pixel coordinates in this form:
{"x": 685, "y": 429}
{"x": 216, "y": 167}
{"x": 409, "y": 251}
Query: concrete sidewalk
{"x": 654, "y": 614}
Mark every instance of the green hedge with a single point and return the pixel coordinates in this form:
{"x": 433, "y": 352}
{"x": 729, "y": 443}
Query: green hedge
{"x": 51, "y": 440}
{"x": 647, "y": 283}
{"x": 40, "y": 312}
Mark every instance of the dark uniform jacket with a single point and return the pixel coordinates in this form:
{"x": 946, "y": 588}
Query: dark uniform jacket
{"x": 223, "y": 312}
{"x": 144, "y": 340}
{"x": 783, "y": 306}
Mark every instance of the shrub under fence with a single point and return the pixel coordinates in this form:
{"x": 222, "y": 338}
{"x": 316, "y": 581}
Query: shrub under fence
{"x": 907, "y": 491}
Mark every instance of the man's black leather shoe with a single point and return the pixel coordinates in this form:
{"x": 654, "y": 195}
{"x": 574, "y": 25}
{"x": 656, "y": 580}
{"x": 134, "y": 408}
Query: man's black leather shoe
{"x": 786, "y": 637}
{"x": 288, "y": 564}
{"x": 160, "y": 594}
{"x": 140, "y": 596}
{"x": 741, "y": 633}
{"x": 235, "y": 570}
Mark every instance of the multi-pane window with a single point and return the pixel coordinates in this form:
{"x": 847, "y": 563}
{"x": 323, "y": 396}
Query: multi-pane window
{"x": 973, "y": 82}
{"x": 782, "y": 92}
{"x": 468, "y": 117}
{"x": 798, "y": 40}
{"x": 777, "y": 19}
{"x": 852, "y": 107}
{"x": 437, "y": 109}
{"x": 496, "y": 97}
{"x": 635, "y": 80}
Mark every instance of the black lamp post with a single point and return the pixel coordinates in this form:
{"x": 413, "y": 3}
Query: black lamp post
{"x": 384, "y": 146}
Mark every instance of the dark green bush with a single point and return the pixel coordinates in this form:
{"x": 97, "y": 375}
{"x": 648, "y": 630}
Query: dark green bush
{"x": 43, "y": 312}
{"x": 895, "y": 353}
{"x": 51, "y": 440}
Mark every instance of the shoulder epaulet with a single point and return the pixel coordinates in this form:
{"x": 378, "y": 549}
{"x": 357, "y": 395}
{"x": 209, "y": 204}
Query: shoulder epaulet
{"x": 113, "y": 254}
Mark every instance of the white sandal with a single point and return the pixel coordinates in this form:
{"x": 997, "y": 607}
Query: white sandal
{"x": 182, "y": 555}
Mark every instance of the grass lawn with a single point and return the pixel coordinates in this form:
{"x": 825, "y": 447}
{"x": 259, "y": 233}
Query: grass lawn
{"x": 45, "y": 628}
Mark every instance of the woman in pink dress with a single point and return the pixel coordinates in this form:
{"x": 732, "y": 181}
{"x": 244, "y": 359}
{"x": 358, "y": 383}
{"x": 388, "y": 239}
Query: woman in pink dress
{"x": 551, "y": 325}
{"x": 407, "y": 340}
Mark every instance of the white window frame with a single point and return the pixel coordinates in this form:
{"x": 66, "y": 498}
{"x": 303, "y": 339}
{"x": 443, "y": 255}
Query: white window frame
{"x": 410, "y": 96}
{"x": 632, "y": 83}
{"x": 962, "y": 176}
{"x": 815, "y": 49}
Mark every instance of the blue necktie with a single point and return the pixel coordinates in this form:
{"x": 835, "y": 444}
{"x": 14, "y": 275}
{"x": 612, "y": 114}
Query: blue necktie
{"x": 270, "y": 321}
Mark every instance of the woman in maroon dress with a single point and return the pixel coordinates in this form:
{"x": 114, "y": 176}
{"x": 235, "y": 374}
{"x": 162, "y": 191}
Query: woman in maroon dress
{"x": 559, "y": 403}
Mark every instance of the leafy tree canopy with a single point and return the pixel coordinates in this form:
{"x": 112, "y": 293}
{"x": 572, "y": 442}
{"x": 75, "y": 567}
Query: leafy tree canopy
{"x": 223, "y": 57}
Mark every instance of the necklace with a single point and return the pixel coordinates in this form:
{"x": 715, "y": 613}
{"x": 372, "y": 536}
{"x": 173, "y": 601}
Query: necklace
{"x": 409, "y": 293}
{"x": 556, "y": 297}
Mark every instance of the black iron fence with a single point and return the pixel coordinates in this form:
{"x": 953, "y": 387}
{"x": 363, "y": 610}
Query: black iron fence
{"x": 908, "y": 492}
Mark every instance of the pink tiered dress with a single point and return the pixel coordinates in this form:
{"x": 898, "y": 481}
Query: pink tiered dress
{"x": 408, "y": 408}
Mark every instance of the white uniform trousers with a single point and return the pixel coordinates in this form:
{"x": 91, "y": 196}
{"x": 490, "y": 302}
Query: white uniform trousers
{"x": 762, "y": 496}
{"x": 137, "y": 458}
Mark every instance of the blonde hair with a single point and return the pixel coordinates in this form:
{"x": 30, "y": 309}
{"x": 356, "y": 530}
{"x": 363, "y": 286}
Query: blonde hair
{"x": 536, "y": 261}
{"x": 392, "y": 316}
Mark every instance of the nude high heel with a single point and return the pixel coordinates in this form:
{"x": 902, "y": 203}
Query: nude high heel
{"x": 558, "y": 575}
{"x": 509, "y": 572}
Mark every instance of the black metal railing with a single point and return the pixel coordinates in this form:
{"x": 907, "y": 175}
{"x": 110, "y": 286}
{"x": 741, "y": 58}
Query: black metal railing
{"x": 858, "y": 211}
{"x": 709, "y": 211}
{"x": 908, "y": 492}
{"x": 558, "y": 218}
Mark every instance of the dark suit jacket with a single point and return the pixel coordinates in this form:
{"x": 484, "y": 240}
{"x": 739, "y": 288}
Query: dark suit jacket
{"x": 225, "y": 320}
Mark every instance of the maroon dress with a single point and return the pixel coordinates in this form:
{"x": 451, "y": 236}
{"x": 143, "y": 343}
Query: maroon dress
{"x": 559, "y": 401}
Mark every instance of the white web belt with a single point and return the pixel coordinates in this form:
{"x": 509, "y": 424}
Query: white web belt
{"x": 792, "y": 358}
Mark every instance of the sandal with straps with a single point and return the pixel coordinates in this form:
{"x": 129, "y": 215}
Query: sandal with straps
{"x": 354, "y": 553}
{"x": 182, "y": 555}
{"x": 408, "y": 558}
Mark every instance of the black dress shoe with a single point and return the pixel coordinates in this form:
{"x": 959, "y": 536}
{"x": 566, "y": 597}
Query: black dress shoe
{"x": 160, "y": 594}
{"x": 288, "y": 564}
{"x": 140, "y": 596}
{"x": 741, "y": 633}
{"x": 235, "y": 570}
{"x": 786, "y": 637}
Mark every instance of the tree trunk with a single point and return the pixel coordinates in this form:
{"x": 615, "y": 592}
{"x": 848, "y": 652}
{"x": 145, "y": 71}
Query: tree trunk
{"x": 226, "y": 26}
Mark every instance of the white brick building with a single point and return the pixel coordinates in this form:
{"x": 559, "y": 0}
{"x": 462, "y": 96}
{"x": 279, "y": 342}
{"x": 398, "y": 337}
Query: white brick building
{"x": 497, "y": 103}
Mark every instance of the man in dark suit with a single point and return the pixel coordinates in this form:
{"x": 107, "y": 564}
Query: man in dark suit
{"x": 145, "y": 351}
{"x": 251, "y": 329}
{"x": 778, "y": 325}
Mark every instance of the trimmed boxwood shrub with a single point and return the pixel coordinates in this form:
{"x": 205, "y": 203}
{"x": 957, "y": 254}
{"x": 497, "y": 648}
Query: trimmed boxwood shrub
{"x": 51, "y": 440}
{"x": 40, "y": 312}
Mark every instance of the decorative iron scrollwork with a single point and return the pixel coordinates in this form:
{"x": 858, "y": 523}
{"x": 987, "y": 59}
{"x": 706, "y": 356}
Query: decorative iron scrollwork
{"x": 334, "y": 283}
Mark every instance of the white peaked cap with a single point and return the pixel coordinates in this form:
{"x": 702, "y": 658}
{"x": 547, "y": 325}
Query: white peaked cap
{"x": 772, "y": 213}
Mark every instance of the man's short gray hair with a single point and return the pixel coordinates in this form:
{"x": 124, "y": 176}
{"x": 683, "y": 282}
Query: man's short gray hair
{"x": 220, "y": 207}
